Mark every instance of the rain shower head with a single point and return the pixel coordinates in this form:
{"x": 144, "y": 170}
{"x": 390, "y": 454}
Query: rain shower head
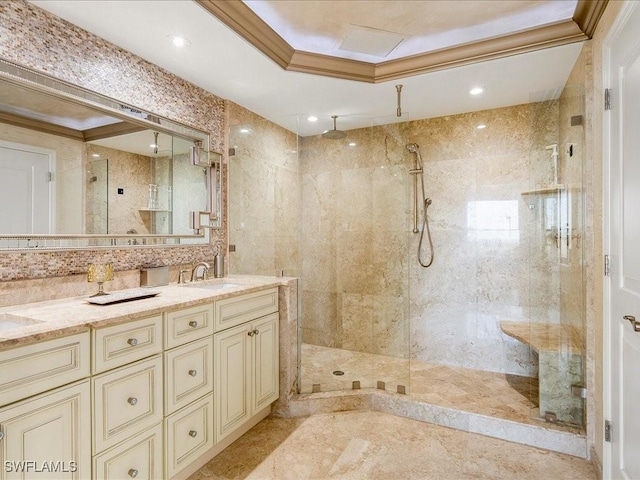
{"x": 334, "y": 134}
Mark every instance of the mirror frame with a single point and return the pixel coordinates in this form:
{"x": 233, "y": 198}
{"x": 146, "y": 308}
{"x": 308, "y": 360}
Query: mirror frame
{"x": 43, "y": 83}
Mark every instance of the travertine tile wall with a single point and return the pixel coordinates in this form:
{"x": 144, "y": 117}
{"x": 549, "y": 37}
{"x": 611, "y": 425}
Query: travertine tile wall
{"x": 264, "y": 210}
{"x": 362, "y": 288}
{"x": 36, "y": 39}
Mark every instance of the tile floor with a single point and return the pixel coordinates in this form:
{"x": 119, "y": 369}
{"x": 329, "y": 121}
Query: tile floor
{"x": 375, "y": 445}
{"x": 508, "y": 397}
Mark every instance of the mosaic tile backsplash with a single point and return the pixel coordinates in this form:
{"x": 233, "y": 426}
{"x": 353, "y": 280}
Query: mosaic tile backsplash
{"x": 38, "y": 40}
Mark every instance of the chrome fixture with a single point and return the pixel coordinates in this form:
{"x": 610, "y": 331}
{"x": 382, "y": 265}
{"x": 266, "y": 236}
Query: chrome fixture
{"x": 334, "y": 134}
{"x": 205, "y": 271}
{"x": 418, "y": 169}
{"x": 399, "y": 95}
{"x": 155, "y": 143}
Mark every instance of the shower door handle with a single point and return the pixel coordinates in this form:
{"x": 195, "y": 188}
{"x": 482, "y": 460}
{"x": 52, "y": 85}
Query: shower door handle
{"x": 634, "y": 322}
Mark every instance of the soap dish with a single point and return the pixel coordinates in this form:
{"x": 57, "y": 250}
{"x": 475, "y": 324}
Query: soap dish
{"x": 123, "y": 296}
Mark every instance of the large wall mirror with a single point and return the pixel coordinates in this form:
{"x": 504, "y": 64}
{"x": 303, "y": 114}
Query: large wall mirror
{"x": 82, "y": 170}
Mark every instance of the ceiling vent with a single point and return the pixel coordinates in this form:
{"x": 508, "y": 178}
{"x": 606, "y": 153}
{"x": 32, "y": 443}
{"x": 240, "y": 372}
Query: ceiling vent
{"x": 370, "y": 41}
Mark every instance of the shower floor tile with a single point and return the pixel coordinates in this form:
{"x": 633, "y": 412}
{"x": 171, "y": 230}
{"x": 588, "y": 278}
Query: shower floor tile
{"x": 509, "y": 397}
{"x": 376, "y": 445}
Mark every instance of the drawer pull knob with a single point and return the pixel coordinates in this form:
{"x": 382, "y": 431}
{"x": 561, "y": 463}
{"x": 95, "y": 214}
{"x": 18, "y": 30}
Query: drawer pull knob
{"x": 133, "y": 473}
{"x": 132, "y": 341}
{"x": 193, "y": 324}
{"x": 1, "y": 435}
{"x": 132, "y": 400}
{"x": 193, "y": 373}
{"x": 251, "y": 334}
{"x": 193, "y": 433}
{"x": 256, "y": 331}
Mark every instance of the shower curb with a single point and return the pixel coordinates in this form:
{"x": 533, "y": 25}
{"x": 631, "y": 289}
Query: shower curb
{"x": 569, "y": 443}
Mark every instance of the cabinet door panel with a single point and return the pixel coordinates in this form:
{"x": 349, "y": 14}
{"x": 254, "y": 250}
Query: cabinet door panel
{"x": 266, "y": 372}
{"x": 32, "y": 369}
{"x": 126, "y": 401}
{"x": 188, "y": 324}
{"x": 231, "y": 387}
{"x": 233, "y": 311}
{"x": 189, "y": 434}
{"x": 52, "y": 431}
{"x": 122, "y": 344}
{"x": 139, "y": 458}
{"x": 189, "y": 373}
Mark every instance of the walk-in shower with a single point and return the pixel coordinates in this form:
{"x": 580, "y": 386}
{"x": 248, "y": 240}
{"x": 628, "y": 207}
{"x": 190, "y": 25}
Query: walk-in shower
{"x": 418, "y": 170}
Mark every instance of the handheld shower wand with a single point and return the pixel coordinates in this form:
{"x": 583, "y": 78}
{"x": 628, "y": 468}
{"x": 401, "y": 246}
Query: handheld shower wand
{"x": 418, "y": 169}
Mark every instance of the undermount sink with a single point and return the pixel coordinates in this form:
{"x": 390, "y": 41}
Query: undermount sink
{"x": 9, "y": 321}
{"x": 211, "y": 286}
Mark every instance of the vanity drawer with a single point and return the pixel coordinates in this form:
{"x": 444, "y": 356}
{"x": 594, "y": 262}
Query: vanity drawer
{"x": 188, "y": 374}
{"x": 126, "y": 343}
{"x": 32, "y": 369}
{"x": 189, "y": 434}
{"x": 233, "y": 311}
{"x": 188, "y": 324}
{"x": 139, "y": 457}
{"x": 126, "y": 401}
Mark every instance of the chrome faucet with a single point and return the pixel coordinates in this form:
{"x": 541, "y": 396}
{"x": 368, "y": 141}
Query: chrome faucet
{"x": 205, "y": 271}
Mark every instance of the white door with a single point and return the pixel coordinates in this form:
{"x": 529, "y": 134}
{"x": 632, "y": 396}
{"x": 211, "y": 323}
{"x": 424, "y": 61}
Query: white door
{"x": 622, "y": 51}
{"x": 25, "y": 198}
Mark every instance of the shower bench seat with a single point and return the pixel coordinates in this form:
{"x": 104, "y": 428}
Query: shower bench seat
{"x": 560, "y": 366}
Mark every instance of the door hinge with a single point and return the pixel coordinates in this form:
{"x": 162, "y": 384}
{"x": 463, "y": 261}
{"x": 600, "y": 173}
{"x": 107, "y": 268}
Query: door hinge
{"x": 607, "y": 431}
{"x": 607, "y": 266}
{"x": 49, "y": 176}
{"x": 607, "y": 99}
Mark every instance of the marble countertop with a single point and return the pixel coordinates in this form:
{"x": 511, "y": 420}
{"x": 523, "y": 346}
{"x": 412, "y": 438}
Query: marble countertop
{"x": 57, "y": 318}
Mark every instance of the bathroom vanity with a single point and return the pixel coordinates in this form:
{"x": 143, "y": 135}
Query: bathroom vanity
{"x": 152, "y": 388}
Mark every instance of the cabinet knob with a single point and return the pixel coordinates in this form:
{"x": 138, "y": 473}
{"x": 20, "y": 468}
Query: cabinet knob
{"x": 251, "y": 334}
{"x": 133, "y": 473}
{"x": 193, "y": 433}
{"x": 132, "y": 341}
{"x": 193, "y": 324}
{"x": 193, "y": 373}
{"x": 256, "y": 331}
{"x": 1, "y": 435}
{"x": 132, "y": 400}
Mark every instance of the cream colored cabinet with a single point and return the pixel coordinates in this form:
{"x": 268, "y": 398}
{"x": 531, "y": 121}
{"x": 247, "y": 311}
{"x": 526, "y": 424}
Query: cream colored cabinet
{"x": 246, "y": 377}
{"x": 48, "y": 436}
{"x": 125, "y": 343}
{"x": 233, "y": 311}
{"x": 36, "y": 368}
{"x": 189, "y": 434}
{"x": 126, "y": 401}
{"x": 139, "y": 457}
{"x": 188, "y": 374}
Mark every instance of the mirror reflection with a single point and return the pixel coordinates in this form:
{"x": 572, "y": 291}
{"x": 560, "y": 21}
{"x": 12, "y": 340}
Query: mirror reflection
{"x": 67, "y": 169}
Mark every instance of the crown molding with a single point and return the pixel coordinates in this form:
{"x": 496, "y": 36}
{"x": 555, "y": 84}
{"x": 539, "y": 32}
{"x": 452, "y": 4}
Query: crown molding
{"x": 242, "y": 20}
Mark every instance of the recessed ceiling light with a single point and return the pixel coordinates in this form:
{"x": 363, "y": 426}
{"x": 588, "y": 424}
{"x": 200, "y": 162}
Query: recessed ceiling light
{"x": 481, "y": 126}
{"x": 476, "y": 90}
{"x": 352, "y": 144}
{"x": 178, "y": 41}
{"x": 95, "y": 155}
{"x": 312, "y": 118}
{"x": 244, "y": 130}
